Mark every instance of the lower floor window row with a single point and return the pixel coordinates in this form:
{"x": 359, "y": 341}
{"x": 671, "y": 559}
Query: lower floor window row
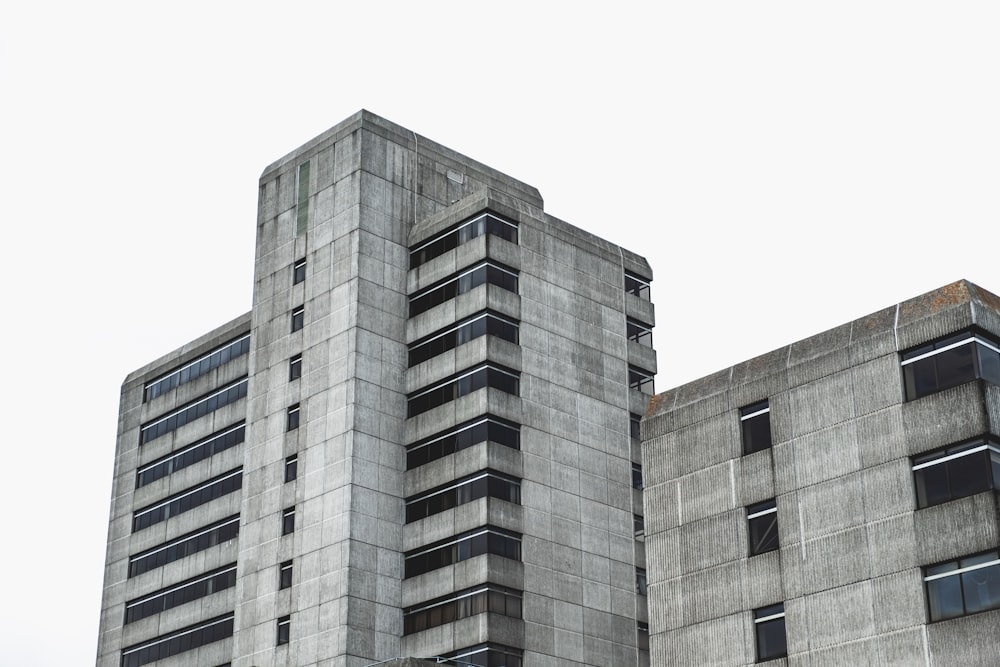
{"x": 479, "y": 600}
{"x": 191, "y": 637}
{"x": 963, "y": 586}
{"x": 478, "y": 542}
{"x": 483, "y": 655}
{"x": 188, "y": 499}
{"x": 474, "y": 379}
{"x": 486, "y": 484}
{"x": 182, "y": 593}
{"x": 184, "y": 546}
{"x": 463, "y": 436}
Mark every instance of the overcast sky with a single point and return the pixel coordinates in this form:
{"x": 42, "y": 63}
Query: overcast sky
{"x": 784, "y": 166}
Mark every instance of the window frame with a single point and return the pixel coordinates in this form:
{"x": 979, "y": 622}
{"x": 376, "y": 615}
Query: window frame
{"x": 293, "y": 415}
{"x": 284, "y": 634}
{"x": 984, "y": 357}
{"x": 298, "y": 318}
{"x": 759, "y": 513}
{"x": 763, "y": 619}
{"x": 295, "y": 367}
{"x": 285, "y": 574}
{"x": 924, "y": 465}
{"x": 291, "y": 468}
{"x": 748, "y": 414}
{"x": 288, "y": 521}
{"x": 299, "y": 271}
{"x": 960, "y": 571}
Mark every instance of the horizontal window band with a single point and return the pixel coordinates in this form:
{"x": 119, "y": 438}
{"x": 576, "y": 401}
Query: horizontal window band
{"x": 970, "y": 568}
{"x": 188, "y": 492}
{"x": 177, "y": 371}
{"x": 459, "y": 227}
{"x": 455, "y": 327}
{"x": 460, "y": 428}
{"x": 949, "y": 457}
{"x": 186, "y": 631}
{"x": 772, "y": 617}
{"x": 475, "y": 533}
{"x": 459, "y": 483}
{"x": 185, "y": 538}
{"x": 464, "y": 272}
{"x": 973, "y": 338}
{"x": 484, "y": 588}
{"x": 755, "y": 414}
{"x": 190, "y": 448}
{"x": 464, "y": 374}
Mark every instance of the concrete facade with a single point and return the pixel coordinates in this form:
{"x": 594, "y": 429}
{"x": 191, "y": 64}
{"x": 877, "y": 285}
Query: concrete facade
{"x": 854, "y": 547}
{"x": 542, "y": 570}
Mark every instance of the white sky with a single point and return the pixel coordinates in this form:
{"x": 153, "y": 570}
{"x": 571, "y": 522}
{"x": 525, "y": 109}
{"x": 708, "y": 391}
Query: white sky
{"x": 784, "y": 166}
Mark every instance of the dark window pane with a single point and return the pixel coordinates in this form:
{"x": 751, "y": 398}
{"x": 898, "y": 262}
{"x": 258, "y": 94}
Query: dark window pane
{"x": 755, "y": 422}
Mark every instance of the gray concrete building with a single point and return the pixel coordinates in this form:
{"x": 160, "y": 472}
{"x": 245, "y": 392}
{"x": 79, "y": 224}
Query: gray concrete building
{"x": 422, "y": 440}
{"x": 833, "y": 502}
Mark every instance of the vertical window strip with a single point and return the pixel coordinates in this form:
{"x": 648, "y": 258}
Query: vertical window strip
{"x": 302, "y": 203}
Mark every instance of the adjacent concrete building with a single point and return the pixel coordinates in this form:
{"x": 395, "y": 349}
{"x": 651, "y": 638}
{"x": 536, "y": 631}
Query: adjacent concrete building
{"x": 421, "y": 441}
{"x": 833, "y": 502}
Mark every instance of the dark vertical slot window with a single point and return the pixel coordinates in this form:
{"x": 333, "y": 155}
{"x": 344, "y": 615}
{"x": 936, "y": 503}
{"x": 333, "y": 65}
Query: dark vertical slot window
{"x": 482, "y": 223}
{"x": 193, "y": 410}
{"x": 285, "y": 575}
{"x": 637, "y": 285}
{"x": 292, "y": 418}
{"x": 755, "y": 425}
{"x": 295, "y": 367}
{"x": 481, "y": 485}
{"x": 463, "y": 436}
{"x": 956, "y": 471}
{"x": 769, "y": 630}
{"x": 965, "y": 586}
{"x": 462, "y": 547}
{"x": 187, "y": 500}
{"x": 638, "y": 525}
{"x": 634, "y": 421}
{"x": 299, "y": 271}
{"x": 486, "y": 273}
{"x": 199, "y": 451}
{"x": 200, "y": 366}
{"x": 288, "y": 521}
{"x": 291, "y": 468}
{"x": 640, "y": 332}
{"x": 298, "y": 318}
{"x": 762, "y": 522}
{"x": 637, "y": 476}
{"x": 485, "y": 376}
{"x": 284, "y": 630}
{"x": 482, "y": 324}
{"x": 186, "y": 639}
{"x": 642, "y": 636}
{"x": 950, "y": 362}
{"x": 302, "y": 202}
{"x": 184, "y": 546}
{"x": 641, "y": 584}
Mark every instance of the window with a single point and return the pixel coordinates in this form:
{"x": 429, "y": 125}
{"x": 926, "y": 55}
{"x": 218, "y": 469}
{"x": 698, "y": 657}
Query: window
{"x": 755, "y": 423}
{"x": 193, "y": 410}
{"x": 182, "y": 593}
{"x": 288, "y": 521}
{"x": 486, "y": 323}
{"x": 642, "y": 636}
{"x": 478, "y": 600}
{"x": 481, "y": 223}
{"x": 299, "y": 271}
{"x": 487, "y": 484}
{"x": 484, "y": 376}
{"x": 485, "y": 273}
{"x": 457, "y": 438}
{"x": 640, "y": 332}
{"x": 285, "y": 575}
{"x": 295, "y": 367}
{"x": 462, "y": 547}
{"x": 950, "y": 362}
{"x": 187, "y": 499}
{"x": 175, "y": 643}
{"x": 302, "y": 203}
{"x": 762, "y": 521}
{"x": 298, "y": 318}
{"x": 183, "y": 546}
{"x": 484, "y": 655}
{"x": 964, "y": 586}
{"x": 636, "y": 476}
{"x": 284, "y": 630}
{"x": 769, "y": 629}
{"x": 291, "y": 468}
{"x": 198, "y": 367}
{"x": 640, "y": 380}
{"x": 292, "y": 418}
{"x": 956, "y": 471}
{"x": 637, "y": 285}
{"x": 639, "y": 525}
{"x": 634, "y": 421}
{"x": 641, "y": 583}
{"x": 199, "y": 451}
